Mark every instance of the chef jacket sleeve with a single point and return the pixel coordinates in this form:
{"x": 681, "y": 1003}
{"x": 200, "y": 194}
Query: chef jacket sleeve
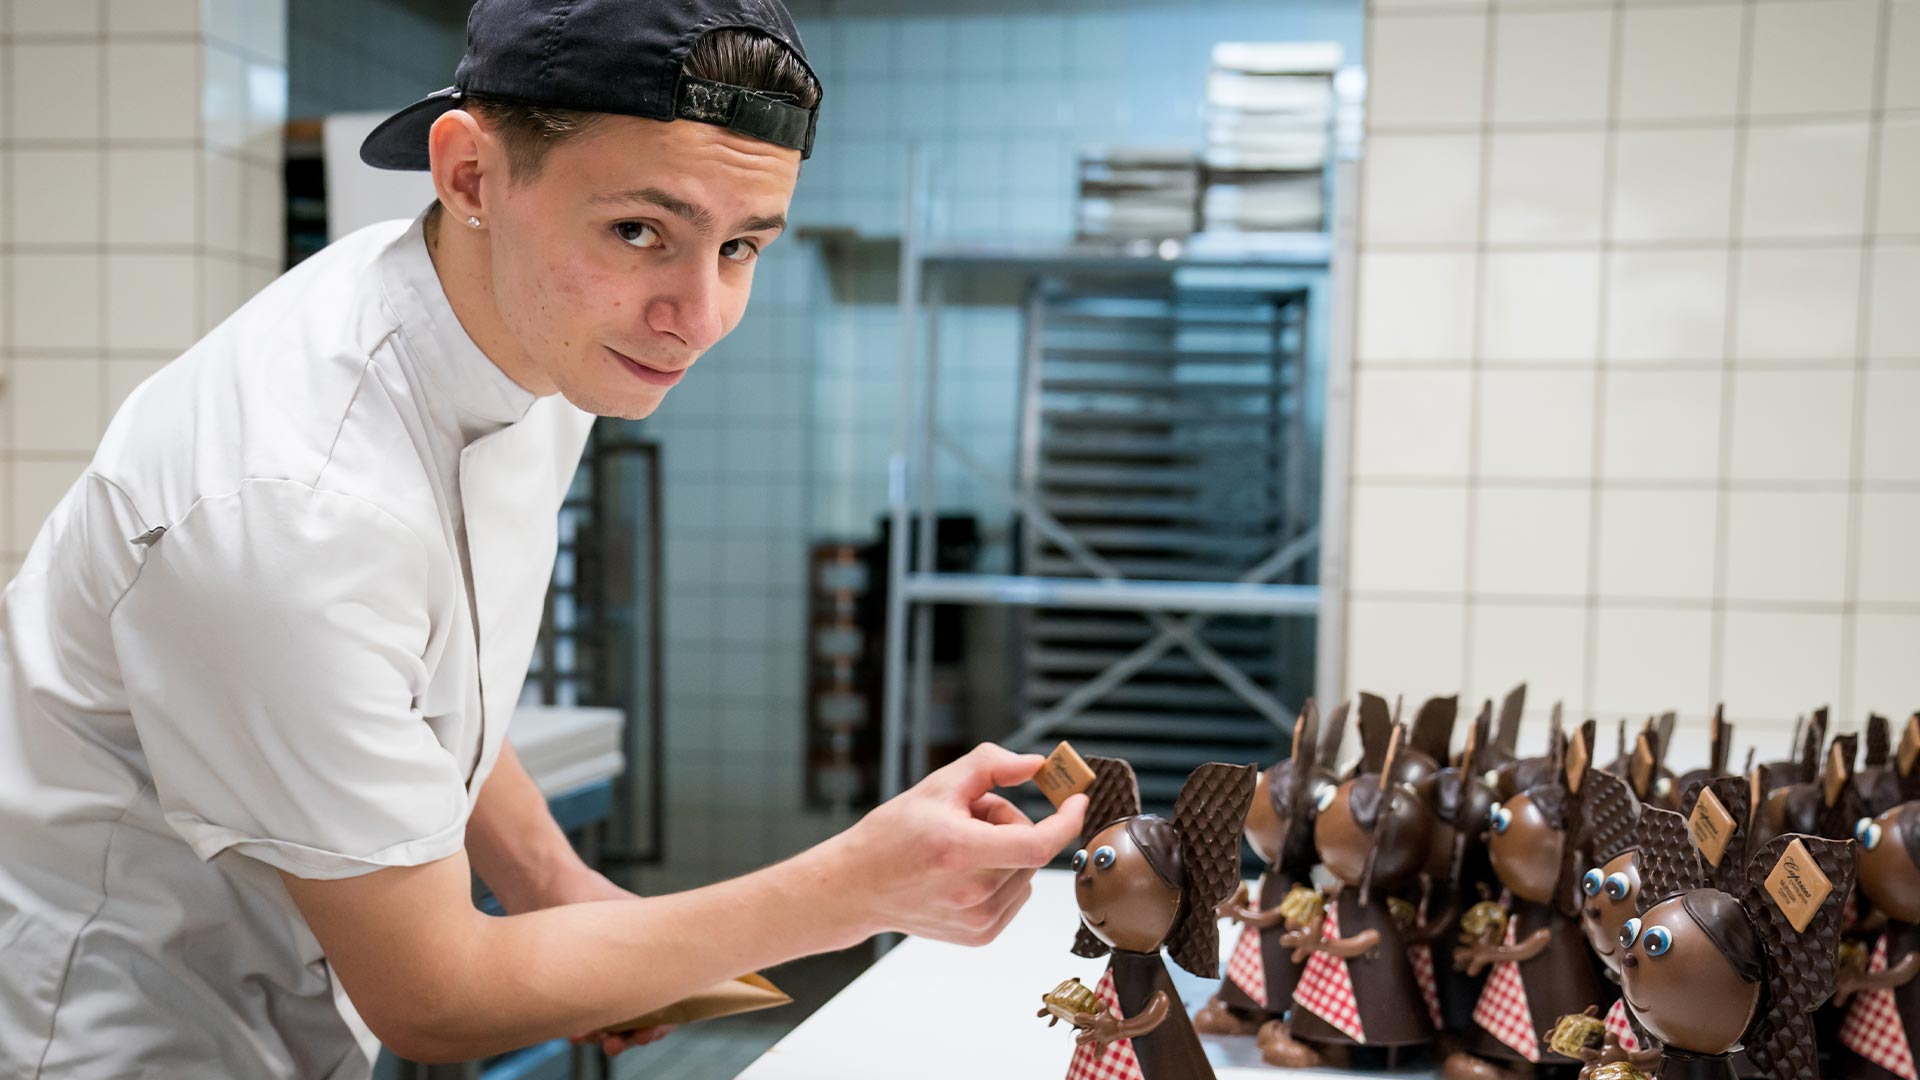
{"x": 272, "y": 647}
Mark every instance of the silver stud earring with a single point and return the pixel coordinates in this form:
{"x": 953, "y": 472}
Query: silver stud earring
{"x": 474, "y": 221}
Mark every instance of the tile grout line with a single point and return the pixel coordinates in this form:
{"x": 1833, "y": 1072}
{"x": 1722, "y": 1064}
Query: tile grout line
{"x": 1469, "y": 620}
{"x": 1723, "y": 503}
{"x": 1589, "y": 675}
{"x": 1848, "y": 673}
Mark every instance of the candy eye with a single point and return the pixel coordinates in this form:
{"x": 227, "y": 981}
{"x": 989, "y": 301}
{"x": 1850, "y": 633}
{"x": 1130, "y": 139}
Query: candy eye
{"x": 1103, "y": 858}
{"x": 1629, "y": 933}
{"x": 1659, "y": 940}
{"x": 1868, "y": 833}
{"x": 1618, "y": 887}
{"x": 1590, "y": 883}
{"x": 1080, "y": 860}
{"x": 1501, "y": 817}
{"x": 1324, "y": 797}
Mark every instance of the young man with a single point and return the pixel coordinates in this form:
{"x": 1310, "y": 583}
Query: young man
{"x": 259, "y": 664}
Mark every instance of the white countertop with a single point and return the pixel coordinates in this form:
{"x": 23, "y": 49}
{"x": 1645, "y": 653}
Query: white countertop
{"x": 930, "y": 1011}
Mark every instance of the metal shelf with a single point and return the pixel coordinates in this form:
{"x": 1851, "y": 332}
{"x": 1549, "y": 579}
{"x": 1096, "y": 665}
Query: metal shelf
{"x": 1132, "y": 367}
{"x": 1019, "y": 590}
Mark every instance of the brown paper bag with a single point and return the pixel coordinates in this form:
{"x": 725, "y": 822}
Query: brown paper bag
{"x": 748, "y": 993}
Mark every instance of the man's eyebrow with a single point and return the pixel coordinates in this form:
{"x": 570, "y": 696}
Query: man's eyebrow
{"x": 699, "y": 217}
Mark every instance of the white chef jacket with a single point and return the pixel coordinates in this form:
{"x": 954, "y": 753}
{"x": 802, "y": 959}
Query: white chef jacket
{"x": 250, "y": 637}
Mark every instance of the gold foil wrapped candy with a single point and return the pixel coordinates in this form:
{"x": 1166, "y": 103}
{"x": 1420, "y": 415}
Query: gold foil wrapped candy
{"x": 1071, "y": 997}
{"x": 1577, "y": 1032}
{"x": 1301, "y": 906}
{"x": 1617, "y": 1070}
{"x": 1484, "y": 922}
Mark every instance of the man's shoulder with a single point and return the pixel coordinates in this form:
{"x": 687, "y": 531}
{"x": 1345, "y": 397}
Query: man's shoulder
{"x": 274, "y": 390}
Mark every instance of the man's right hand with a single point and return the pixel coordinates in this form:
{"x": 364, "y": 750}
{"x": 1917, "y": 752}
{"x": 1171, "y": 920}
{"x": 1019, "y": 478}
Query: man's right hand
{"x": 949, "y": 859}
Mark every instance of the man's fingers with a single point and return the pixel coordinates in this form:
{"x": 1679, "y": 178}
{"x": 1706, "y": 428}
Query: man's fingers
{"x": 996, "y": 810}
{"x": 989, "y": 766}
{"x": 1022, "y": 847}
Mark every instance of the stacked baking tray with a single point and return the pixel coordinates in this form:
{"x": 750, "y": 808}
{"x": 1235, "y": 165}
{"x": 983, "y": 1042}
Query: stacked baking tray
{"x": 1270, "y": 111}
{"x": 1130, "y": 193}
{"x": 1163, "y": 428}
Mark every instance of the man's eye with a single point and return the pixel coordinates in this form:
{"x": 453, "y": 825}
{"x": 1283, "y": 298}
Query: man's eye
{"x": 638, "y": 233}
{"x": 739, "y": 251}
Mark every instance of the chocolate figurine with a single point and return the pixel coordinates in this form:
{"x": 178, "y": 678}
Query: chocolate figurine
{"x": 1822, "y": 804}
{"x": 1539, "y": 966}
{"x": 1458, "y": 872}
{"x": 1707, "y": 971}
{"x": 1145, "y": 883}
{"x": 1258, "y": 988}
{"x": 1881, "y": 1031}
{"x": 1606, "y": 819}
{"x": 1359, "y": 987}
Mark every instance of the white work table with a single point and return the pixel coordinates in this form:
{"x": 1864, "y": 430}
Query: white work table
{"x": 930, "y": 1011}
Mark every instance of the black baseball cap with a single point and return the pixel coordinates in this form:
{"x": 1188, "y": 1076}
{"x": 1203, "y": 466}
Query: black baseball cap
{"x": 609, "y": 56}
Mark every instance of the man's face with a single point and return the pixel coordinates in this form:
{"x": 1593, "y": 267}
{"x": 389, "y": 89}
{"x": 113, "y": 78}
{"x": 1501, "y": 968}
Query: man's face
{"x": 632, "y": 251}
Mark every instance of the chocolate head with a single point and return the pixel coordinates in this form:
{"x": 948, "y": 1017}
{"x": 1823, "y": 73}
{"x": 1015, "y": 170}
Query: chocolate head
{"x": 1267, "y": 814}
{"x": 1129, "y": 881}
{"x": 1692, "y": 969}
{"x": 1890, "y": 861}
{"x": 1607, "y": 900}
{"x": 1457, "y": 803}
{"x": 1360, "y": 829}
{"x": 1527, "y": 842}
{"x": 1792, "y": 808}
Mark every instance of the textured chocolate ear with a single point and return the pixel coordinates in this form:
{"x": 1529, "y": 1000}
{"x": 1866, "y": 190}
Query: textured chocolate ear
{"x": 1507, "y": 733}
{"x": 1474, "y": 755}
{"x": 1722, "y": 744}
{"x": 1114, "y": 794}
{"x": 1811, "y": 741}
{"x": 1608, "y": 816}
{"x": 1333, "y": 732}
{"x": 1433, "y": 728}
{"x": 1879, "y": 742}
{"x": 1735, "y": 794}
{"x": 1306, "y": 752}
{"x": 1376, "y": 727}
{"x": 1669, "y": 865}
{"x": 1800, "y": 963}
{"x": 1207, "y": 817}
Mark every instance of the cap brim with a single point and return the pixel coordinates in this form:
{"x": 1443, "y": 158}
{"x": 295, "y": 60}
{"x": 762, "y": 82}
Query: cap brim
{"x": 400, "y": 142}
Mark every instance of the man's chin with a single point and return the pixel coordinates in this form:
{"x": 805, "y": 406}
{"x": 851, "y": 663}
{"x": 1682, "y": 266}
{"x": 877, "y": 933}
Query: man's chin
{"x": 624, "y": 405}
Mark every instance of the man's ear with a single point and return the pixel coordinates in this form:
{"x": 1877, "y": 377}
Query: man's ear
{"x": 461, "y": 151}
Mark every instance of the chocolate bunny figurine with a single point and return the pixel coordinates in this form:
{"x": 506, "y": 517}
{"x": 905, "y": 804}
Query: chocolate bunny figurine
{"x": 1359, "y": 988}
{"x": 1145, "y": 883}
{"x": 1543, "y": 969}
{"x": 1258, "y": 988}
{"x": 1707, "y": 971}
{"x": 1457, "y": 874}
{"x": 1881, "y": 1032}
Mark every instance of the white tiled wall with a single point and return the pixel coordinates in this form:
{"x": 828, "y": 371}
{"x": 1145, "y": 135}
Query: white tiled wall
{"x": 1637, "y": 357}
{"x": 140, "y": 203}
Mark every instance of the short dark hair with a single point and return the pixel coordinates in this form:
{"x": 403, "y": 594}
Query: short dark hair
{"x": 734, "y": 56}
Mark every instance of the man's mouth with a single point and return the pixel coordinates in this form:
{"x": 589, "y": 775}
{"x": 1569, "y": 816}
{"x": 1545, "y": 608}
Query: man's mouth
{"x": 652, "y": 376}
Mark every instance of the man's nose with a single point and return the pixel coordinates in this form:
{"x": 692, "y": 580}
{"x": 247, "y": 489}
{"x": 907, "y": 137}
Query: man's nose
{"x": 691, "y": 312}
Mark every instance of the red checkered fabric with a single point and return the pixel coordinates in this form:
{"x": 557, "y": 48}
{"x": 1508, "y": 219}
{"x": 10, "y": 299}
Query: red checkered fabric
{"x": 1246, "y": 969}
{"x": 1117, "y": 1061}
{"x": 1872, "y": 1028}
{"x": 1326, "y": 987}
{"x": 1502, "y": 1008}
{"x": 1621, "y": 1028}
{"x": 1421, "y": 958}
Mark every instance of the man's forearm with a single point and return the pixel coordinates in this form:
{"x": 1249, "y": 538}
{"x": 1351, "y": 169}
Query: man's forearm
{"x": 515, "y": 845}
{"x": 496, "y": 983}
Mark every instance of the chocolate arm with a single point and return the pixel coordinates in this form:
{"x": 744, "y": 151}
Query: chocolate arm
{"x": 1852, "y": 980}
{"x": 1105, "y": 1028}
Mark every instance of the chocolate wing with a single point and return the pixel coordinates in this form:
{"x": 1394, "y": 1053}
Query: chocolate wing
{"x": 1800, "y": 963}
{"x": 1669, "y": 865}
{"x": 1208, "y": 817}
